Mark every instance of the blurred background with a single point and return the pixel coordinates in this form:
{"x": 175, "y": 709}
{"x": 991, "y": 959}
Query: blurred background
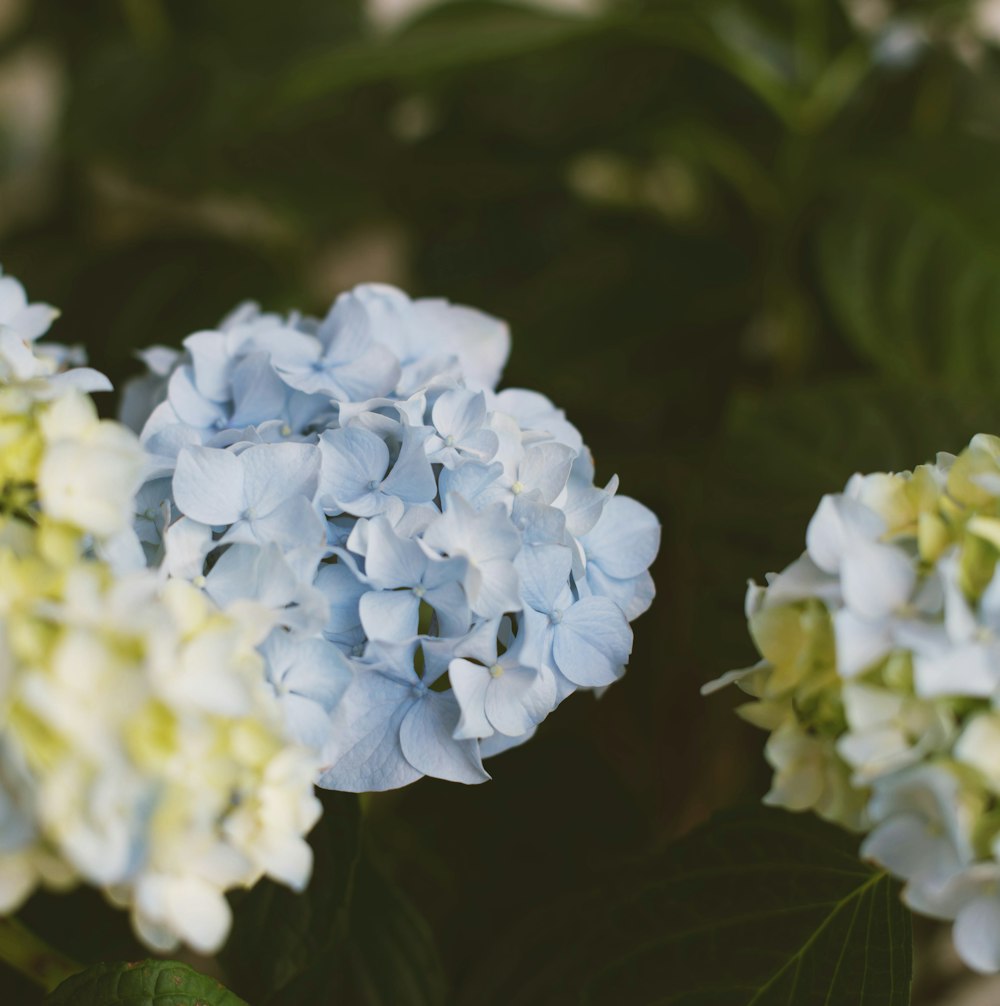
{"x": 751, "y": 246}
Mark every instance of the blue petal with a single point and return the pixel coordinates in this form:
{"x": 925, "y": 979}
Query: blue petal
{"x": 354, "y": 463}
{"x": 274, "y": 473}
{"x": 412, "y": 477}
{"x": 392, "y": 561}
{"x": 364, "y": 752}
{"x": 592, "y": 642}
{"x": 390, "y": 614}
{"x": 625, "y": 540}
{"x": 426, "y": 736}
{"x": 208, "y": 485}
{"x": 469, "y": 683}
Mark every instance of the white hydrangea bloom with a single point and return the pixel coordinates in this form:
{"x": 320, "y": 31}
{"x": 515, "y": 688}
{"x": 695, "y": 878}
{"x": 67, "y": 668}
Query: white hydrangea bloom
{"x": 880, "y": 681}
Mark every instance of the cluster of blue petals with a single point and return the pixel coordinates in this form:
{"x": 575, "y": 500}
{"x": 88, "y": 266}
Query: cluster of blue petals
{"x": 438, "y": 566}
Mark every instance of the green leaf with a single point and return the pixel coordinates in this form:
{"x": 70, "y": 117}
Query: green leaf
{"x": 909, "y": 258}
{"x": 757, "y": 907}
{"x": 165, "y": 983}
{"x": 279, "y": 935}
{"x": 392, "y": 948}
{"x": 384, "y": 953}
{"x": 351, "y": 936}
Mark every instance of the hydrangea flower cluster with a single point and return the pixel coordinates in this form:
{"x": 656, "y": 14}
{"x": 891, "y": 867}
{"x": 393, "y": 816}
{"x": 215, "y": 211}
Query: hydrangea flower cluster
{"x": 141, "y": 750}
{"x": 880, "y": 682}
{"x": 431, "y": 557}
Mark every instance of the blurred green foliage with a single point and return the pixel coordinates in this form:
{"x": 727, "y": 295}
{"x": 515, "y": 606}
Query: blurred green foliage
{"x": 751, "y": 247}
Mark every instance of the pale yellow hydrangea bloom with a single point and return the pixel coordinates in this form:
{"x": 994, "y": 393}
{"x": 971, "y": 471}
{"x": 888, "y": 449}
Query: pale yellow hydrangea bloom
{"x": 142, "y": 750}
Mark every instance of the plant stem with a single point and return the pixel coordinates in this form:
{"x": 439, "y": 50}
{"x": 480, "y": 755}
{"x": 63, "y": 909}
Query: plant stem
{"x": 32, "y": 957}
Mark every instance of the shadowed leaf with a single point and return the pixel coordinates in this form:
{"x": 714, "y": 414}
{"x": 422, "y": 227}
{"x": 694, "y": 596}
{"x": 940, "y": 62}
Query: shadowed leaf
{"x": 757, "y": 907}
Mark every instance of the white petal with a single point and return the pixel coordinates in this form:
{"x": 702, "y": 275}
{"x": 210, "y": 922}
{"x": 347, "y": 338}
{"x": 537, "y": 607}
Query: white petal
{"x": 964, "y": 671}
{"x": 859, "y": 642}
{"x": 839, "y": 521}
{"x": 977, "y": 934}
{"x": 877, "y": 579}
{"x": 912, "y": 848}
{"x": 801, "y": 580}
{"x": 198, "y": 913}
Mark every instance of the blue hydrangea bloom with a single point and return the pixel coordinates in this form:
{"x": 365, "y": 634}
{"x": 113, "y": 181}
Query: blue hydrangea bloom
{"x": 437, "y": 568}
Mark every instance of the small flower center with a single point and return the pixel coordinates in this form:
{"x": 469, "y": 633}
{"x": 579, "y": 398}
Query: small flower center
{"x": 517, "y": 488}
{"x": 286, "y": 430}
{"x": 556, "y": 617}
{"x": 496, "y": 671}
{"x": 449, "y": 441}
{"x": 419, "y": 592}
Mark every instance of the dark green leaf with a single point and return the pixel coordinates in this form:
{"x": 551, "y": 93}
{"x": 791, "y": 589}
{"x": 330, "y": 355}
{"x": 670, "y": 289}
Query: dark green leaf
{"x": 277, "y": 934}
{"x": 757, "y": 907}
{"x": 165, "y": 983}
{"x": 384, "y": 953}
{"x": 392, "y": 948}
